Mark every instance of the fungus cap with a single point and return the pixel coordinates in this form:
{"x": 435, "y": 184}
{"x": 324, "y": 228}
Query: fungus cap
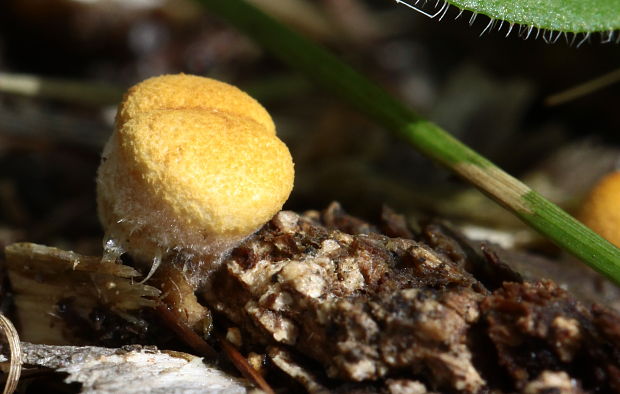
{"x": 601, "y": 208}
{"x": 182, "y": 91}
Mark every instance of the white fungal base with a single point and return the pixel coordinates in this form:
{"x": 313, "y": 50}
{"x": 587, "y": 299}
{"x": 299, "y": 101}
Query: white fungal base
{"x": 196, "y": 263}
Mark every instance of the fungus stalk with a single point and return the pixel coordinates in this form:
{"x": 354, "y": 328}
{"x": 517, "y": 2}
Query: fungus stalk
{"x": 193, "y": 168}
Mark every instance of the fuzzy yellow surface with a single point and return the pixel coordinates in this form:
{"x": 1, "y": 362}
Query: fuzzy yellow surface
{"x": 198, "y": 172}
{"x": 214, "y": 170}
{"x": 182, "y": 91}
{"x": 601, "y": 209}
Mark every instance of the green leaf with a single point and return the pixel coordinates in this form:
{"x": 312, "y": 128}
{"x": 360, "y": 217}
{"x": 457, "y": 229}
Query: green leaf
{"x": 570, "y": 16}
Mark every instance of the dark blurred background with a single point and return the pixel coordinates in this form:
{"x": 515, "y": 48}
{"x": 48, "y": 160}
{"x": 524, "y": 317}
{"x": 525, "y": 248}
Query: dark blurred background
{"x": 489, "y": 91}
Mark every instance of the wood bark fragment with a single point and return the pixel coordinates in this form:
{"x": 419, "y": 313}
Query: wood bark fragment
{"x": 47, "y": 281}
{"x": 131, "y": 369}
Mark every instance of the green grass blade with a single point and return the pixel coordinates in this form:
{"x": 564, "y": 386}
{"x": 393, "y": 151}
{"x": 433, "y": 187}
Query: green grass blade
{"x": 430, "y": 139}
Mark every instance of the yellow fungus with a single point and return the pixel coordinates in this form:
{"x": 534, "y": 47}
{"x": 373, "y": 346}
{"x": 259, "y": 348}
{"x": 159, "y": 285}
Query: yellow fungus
{"x": 601, "y": 208}
{"x": 182, "y": 91}
{"x": 197, "y": 173}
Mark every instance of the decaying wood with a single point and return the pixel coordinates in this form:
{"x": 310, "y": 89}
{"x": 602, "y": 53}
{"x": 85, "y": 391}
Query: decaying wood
{"x": 364, "y": 305}
{"x": 132, "y": 369}
{"x": 370, "y": 308}
{"x": 336, "y": 304}
{"x": 47, "y": 281}
{"x": 244, "y": 366}
{"x": 283, "y": 360}
{"x": 183, "y": 331}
